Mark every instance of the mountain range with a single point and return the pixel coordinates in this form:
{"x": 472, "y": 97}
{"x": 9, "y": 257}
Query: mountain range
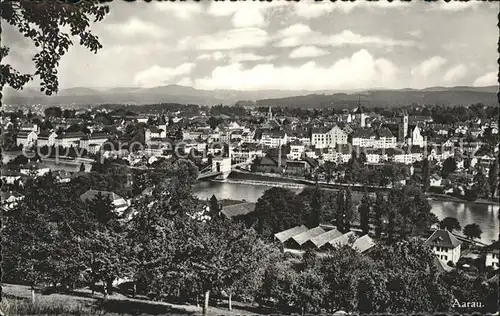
{"x": 461, "y": 95}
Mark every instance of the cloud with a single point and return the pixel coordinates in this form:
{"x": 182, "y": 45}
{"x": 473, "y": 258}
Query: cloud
{"x": 455, "y": 73}
{"x": 237, "y": 57}
{"x": 428, "y": 67}
{"x": 234, "y": 57}
{"x": 307, "y": 51}
{"x": 453, "y": 6}
{"x": 309, "y": 9}
{"x": 138, "y": 28}
{"x": 182, "y": 10}
{"x": 212, "y": 56}
{"x": 185, "y": 81}
{"x": 300, "y": 34}
{"x": 226, "y": 40}
{"x": 293, "y": 30}
{"x": 360, "y": 70}
{"x": 157, "y": 75}
{"x": 244, "y": 14}
{"x": 488, "y": 79}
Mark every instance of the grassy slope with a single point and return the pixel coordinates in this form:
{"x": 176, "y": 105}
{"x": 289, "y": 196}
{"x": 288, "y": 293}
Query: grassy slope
{"x": 16, "y": 301}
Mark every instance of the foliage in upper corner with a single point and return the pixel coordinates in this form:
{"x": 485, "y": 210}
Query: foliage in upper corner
{"x": 42, "y": 23}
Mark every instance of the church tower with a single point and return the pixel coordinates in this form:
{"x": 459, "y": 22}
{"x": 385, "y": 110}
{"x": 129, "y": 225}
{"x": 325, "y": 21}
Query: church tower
{"x": 403, "y": 126}
{"x": 270, "y": 114}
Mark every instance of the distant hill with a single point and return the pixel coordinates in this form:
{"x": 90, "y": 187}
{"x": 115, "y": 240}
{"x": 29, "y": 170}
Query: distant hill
{"x": 298, "y": 98}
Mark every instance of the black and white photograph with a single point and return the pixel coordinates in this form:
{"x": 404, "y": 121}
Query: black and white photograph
{"x": 265, "y": 157}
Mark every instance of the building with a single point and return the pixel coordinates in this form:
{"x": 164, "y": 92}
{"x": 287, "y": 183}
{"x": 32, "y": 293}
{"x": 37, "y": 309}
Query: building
{"x": 93, "y": 142}
{"x": 403, "y": 127}
{"x": 268, "y": 164}
{"x": 328, "y": 138}
{"x": 273, "y": 138}
{"x": 301, "y": 240}
{"x": 67, "y": 140}
{"x": 239, "y": 209}
{"x": 119, "y": 203}
{"x": 35, "y": 169}
{"x": 492, "y": 259}
{"x": 296, "y": 150}
{"x": 444, "y": 245}
{"x": 283, "y": 236}
{"x": 46, "y": 139}
{"x": 26, "y": 139}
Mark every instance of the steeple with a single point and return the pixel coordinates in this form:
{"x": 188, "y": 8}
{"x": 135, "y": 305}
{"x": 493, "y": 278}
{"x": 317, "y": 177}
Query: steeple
{"x": 270, "y": 114}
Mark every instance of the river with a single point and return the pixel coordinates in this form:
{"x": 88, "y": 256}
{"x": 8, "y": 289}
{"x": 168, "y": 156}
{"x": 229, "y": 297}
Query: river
{"x": 486, "y": 216}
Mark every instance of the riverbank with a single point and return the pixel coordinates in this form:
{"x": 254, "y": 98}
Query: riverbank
{"x": 272, "y": 180}
{"x": 449, "y": 198}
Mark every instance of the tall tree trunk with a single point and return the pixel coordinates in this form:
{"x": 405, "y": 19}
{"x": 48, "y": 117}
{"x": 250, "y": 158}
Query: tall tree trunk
{"x": 197, "y": 300}
{"x": 230, "y": 301}
{"x": 205, "y": 303}
{"x": 33, "y": 295}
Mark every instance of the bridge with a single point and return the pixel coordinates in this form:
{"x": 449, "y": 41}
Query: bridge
{"x": 221, "y": 168}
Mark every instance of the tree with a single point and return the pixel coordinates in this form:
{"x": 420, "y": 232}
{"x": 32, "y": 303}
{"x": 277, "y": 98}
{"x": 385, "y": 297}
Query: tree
{"x": 348, "y": 209}
{"x": 364, "y": 211}
{"x": 40, "y": 22}
{"x": 214, "y": 206}
{"x": 493, "y": 178}
{"x": 449, "y": 166}
{"x": 341, "y": 212}
{"x": 379, "y": 212}
{"x": 316, "y": 204}
{"x": 213, "y": 122}
{"x": 481, "y": 186}
{"x": 276, "y": 210}
{"x": 472, "y": 231}
{"x": 43, "y": 238}
{"x": 450, "y": 223}
{"x": 426, "y": 177}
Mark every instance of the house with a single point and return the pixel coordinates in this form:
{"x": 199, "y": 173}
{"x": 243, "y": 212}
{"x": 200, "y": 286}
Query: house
{"x": 26, "y": 139}
{"x": 62, "y": 176}
{"x": 300, "y": 241}
{"x": 11, "y": 199}
{"x": 10, "y": 176}
{"x": 268, "y": 164}
{"x": 34, "y": 168}
{"x": 71, "y": 139}
{"x": 289, "y": 233}
{"x": 492, "y": 259}
{"x": 301, "y": 167}
{"x": 46, "y": 139}
{"x": 155, "y": 132}
{"x": 321, "y": 240}
{"x": 30, "y": 127}
{"x": 324, "y": 138}
{"x": 273, "y": 138}
{"x": 240, "y": 209}
{"x": 444, "y": 245}
{"x": 297, "y": 148}
{"x": 119, "y": 203}
{"x": 245, "y": 152}
{"x": 93, "y": 142}
{"x": 363, "y": 244}
{"x": 346, "y": 239}
{"x": 435, "y": 180}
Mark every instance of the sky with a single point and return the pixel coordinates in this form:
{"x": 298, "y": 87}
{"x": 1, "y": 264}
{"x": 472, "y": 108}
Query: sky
{"x": 305, "y": 45}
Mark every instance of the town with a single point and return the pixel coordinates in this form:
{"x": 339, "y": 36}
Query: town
{"x": 359, "y": 173}
{"x": 249, "y": 158}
